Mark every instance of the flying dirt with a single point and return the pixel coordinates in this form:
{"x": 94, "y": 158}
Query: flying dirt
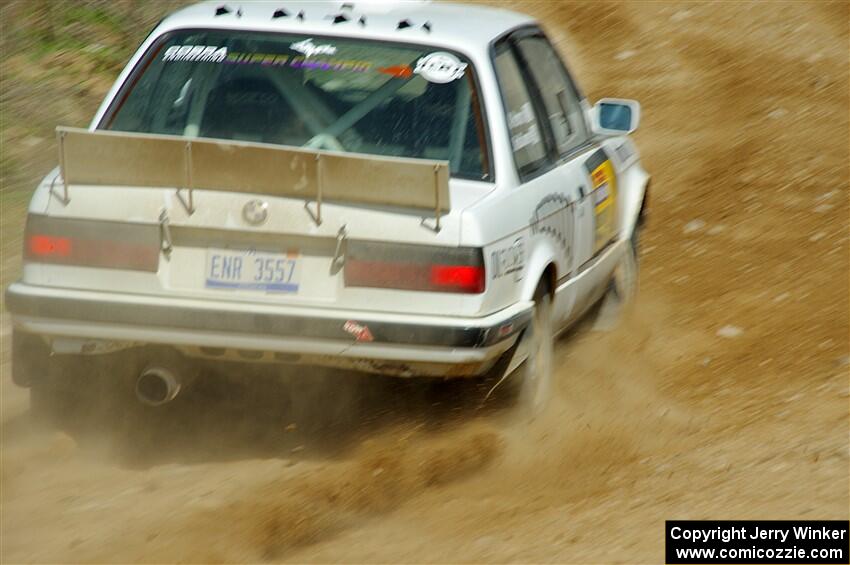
{"x": 723, "y": 395}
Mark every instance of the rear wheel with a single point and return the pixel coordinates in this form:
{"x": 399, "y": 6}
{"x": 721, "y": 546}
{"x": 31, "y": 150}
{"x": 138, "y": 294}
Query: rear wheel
{"x": 536, "y": 372}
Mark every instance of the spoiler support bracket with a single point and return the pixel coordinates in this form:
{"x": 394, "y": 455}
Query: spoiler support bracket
{"x": 317, "y": 216}
{"x": 65, "y": 199}
{"x": 189, "y": 204}
{"x": 339, "y": 254}
{"x": 437, "y": 197}
{"x": 437, "y": 204}
{"x": 166, "y": 244}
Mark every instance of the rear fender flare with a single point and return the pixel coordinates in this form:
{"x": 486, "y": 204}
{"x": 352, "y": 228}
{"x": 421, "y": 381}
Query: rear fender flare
{"x": 541, "y": 264}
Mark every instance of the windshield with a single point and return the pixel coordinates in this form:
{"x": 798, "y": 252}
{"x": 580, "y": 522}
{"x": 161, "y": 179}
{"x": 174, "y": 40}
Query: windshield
{"x": 316, "y": 92}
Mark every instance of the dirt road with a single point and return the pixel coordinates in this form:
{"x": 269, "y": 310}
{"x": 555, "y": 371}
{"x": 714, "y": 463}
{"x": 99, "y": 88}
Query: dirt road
{"x": 724, "y": 396}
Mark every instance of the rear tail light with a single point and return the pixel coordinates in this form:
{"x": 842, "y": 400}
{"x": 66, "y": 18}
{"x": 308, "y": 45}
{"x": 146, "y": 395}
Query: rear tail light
{"x": 48, "y": 246}
{"x": 415, "y": 267}
{"x": 91, "y": 243}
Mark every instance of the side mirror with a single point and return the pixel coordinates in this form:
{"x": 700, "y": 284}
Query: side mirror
{"x": 615, "y": 116}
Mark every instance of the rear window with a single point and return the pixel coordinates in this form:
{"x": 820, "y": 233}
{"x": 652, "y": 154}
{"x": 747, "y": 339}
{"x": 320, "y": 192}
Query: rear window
{"x": 308, "y": 91}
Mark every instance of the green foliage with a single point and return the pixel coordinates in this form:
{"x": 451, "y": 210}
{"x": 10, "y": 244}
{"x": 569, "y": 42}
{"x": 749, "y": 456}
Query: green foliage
{"x": 105, "y": 31}
{"x": 58, "y": 59}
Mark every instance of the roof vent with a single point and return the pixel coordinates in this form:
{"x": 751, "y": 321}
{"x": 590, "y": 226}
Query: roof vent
{"x": 427, "y": 26}
{"x": 404, "y": 24}
{"x": 280, "y": 14}
{"x": 222, "y": 10}
{"x": 339, "y": 18}
{"x": 347, "y": 6}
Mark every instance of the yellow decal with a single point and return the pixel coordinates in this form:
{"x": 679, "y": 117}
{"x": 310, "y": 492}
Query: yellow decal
{"x": 604, "y": 197}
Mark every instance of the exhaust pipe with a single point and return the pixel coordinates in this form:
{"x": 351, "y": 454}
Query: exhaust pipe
{"x": 157, "y": 386}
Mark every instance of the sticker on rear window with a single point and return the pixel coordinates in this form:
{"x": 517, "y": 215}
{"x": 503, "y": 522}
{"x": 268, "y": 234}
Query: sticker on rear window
{"x": 202, "y": 53}
{"x": 308, "y": 48}
{"x": 440, "y": 67}
{"x": 523, "y": 126}
{"x": 297, "y": 62}
{"x": 397, "y": 71}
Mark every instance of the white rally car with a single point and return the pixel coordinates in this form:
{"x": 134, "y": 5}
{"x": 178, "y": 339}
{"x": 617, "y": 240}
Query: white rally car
{"x": 409, "y": 189}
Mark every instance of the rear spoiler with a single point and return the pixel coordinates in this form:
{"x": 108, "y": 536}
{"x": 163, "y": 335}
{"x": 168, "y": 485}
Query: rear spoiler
{"x": 109, "y": 158}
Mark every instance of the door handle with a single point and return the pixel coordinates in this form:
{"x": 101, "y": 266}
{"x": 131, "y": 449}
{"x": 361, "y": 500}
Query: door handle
{"x": 580, "y": 200}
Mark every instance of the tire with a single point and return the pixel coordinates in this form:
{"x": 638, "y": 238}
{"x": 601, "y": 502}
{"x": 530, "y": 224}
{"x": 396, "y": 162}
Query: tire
{"x": 535, "y": 386}
{"x": 622, "y": 289}
{"x": 625, "y": 281}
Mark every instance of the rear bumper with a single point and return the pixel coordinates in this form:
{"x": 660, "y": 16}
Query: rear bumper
{"x": 141, "y": 319}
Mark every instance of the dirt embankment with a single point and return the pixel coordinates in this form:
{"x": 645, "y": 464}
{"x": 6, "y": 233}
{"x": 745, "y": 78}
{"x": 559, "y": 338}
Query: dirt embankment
{"x": 724, "y": 396}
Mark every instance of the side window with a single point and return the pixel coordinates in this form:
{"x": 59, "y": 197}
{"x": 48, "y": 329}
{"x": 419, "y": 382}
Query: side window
{"x": 557, "y": 91}
{"x": 526, "y": 135}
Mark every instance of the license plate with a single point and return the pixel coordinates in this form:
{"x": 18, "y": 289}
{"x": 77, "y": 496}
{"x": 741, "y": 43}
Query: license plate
{"x": 252, "y": 270}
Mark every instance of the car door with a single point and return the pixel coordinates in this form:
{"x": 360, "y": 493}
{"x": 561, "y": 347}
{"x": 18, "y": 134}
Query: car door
{"x": 568, "y": 132}
{"x": 542, "y": 202}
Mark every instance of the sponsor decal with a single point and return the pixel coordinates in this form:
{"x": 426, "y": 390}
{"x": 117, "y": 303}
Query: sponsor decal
{"x": 523, "y": 119}
{"x": 509, "y": 260}
{"x": 201, "y": 53}
{"x": 308, "y": 48}
{"x": 331, "y": 64}
{"x": 521, "y": 140}
{"x": 398, "y": 71}
{"x": 601, "y": 194}
{"x": 506, "y": 330}
{"x": 604, "y": 194}
{"x": 625, "y": 151}
{"x": 298, "y": 62}
{"x": 440, "y": 67}
{"x": 359, "y": 331}
{"x": 268, "y": 59}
